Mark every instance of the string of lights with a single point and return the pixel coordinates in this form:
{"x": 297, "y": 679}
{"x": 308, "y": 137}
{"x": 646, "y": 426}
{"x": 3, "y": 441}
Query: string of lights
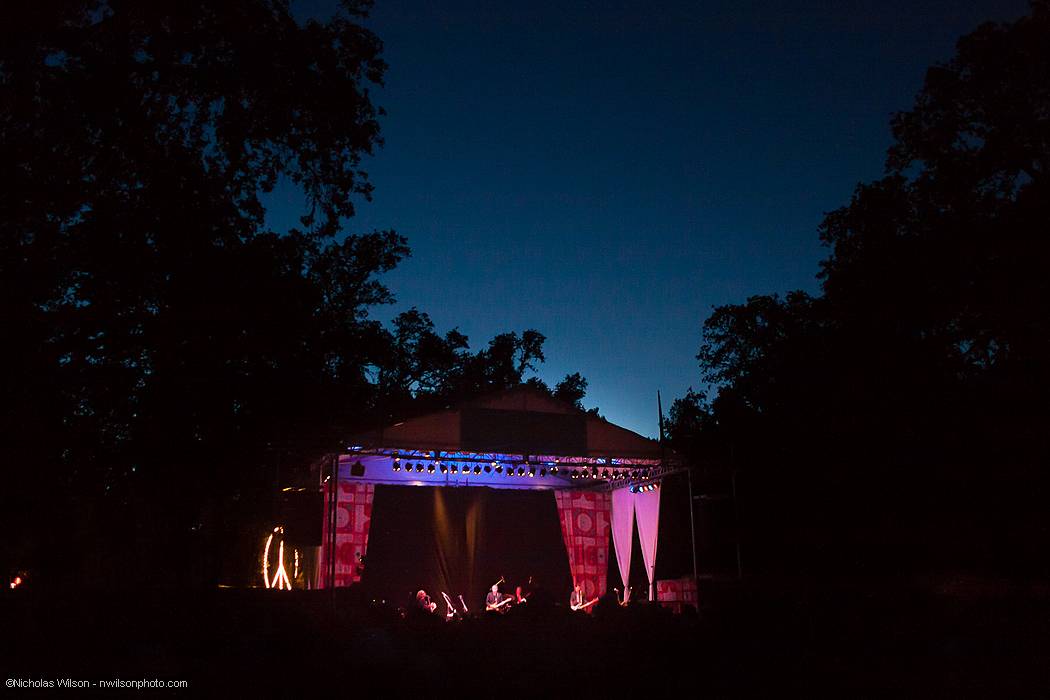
{"x": 520, "y": 469}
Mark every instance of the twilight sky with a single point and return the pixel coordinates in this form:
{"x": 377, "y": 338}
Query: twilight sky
{"x": 606, "y": 172}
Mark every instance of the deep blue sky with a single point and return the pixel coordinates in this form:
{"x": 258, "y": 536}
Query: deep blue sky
{"x": 606, "y": 172}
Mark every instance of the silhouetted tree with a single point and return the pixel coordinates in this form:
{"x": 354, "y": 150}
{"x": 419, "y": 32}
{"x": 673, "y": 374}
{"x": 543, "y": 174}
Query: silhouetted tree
{"x": 160, "y": 334}
{"x": 895, "y": 419}
{"x": 168, "y": 353}
{"x": 571, "y": 389}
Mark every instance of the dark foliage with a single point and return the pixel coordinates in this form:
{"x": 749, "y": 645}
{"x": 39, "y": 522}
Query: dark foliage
{"x": 168, "y": 358}
{"x": 898, "y": 419}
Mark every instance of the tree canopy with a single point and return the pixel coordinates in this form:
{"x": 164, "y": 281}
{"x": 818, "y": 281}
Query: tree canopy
{"x": 889, "y": 418}
{"x": 168, "y": 351}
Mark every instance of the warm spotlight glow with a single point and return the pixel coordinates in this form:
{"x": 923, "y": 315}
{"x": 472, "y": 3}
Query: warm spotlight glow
{"x": 280, "y": 577}
{"x": 266, "y": 561}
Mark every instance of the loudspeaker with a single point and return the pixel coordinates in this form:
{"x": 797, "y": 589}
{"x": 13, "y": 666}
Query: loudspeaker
{"x": 357, "y": 469}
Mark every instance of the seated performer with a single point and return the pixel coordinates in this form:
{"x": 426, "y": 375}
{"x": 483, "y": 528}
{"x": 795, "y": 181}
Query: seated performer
{"x": 576, "y": 597}
{"x": 423, "y": 602}
{"x": 494, "y": 600}
{"x": 523, "y": 593}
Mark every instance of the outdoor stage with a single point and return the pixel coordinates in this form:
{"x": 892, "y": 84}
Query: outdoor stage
{"x": 513, "y": 486}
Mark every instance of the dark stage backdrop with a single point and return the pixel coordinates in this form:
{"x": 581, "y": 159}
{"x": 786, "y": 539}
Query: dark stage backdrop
{"x": 461, "y": 540}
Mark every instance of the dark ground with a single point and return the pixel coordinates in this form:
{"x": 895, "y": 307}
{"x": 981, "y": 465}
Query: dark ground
{"x": 948, "y": 637}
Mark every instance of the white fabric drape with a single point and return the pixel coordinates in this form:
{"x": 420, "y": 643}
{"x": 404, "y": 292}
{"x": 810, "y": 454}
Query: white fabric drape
{"x": 647, "y": 509}
{"x": 623, "y": 531}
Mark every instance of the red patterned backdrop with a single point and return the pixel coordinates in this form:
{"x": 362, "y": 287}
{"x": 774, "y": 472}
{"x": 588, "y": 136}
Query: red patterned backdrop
{"x": 585, "y": 528}
{"x": 674, "y": 593}
{"x": 353, "y": 517}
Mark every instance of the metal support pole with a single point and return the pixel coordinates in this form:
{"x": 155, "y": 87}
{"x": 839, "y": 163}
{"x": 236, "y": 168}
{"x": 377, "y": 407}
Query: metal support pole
{"x": 692, "y": 525}
{"x": 333, "y": 501}
{"x": 736, "y": 526}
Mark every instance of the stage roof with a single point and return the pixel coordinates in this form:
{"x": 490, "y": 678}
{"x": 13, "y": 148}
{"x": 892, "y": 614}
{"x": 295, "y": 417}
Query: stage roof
{"x": 520, "y": 420}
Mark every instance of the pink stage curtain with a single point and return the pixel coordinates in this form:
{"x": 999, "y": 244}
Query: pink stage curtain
{"x": 623, "y": 531}
{"x": 647, "y": 510}
{"x": 353, "y": 517}
{"x": 584, "y": 519}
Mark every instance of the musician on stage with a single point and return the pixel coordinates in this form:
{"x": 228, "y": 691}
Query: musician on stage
{"x": 423, "y": 602}
{"x": 494, "y": 599}
{"x": 576, "y": 598}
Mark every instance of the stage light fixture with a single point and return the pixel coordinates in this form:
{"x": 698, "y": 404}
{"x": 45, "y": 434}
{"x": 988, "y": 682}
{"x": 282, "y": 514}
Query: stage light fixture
{"x": 477, "y": 470}
{"x": 455, "y": 469}
{"x": 532, "y": 471}
{"x": 397, "y": 467}
{"x": 444, "y": 469}
{"x": 543, "y": 472}
{"x": 499, "y": 469}
{"x": 521, "y": 471}
{"x": 554, "y": 469}
{"x": 488, "y": 468}
{"x": 419, "y": 467}
{"x": 430, "y": 468}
